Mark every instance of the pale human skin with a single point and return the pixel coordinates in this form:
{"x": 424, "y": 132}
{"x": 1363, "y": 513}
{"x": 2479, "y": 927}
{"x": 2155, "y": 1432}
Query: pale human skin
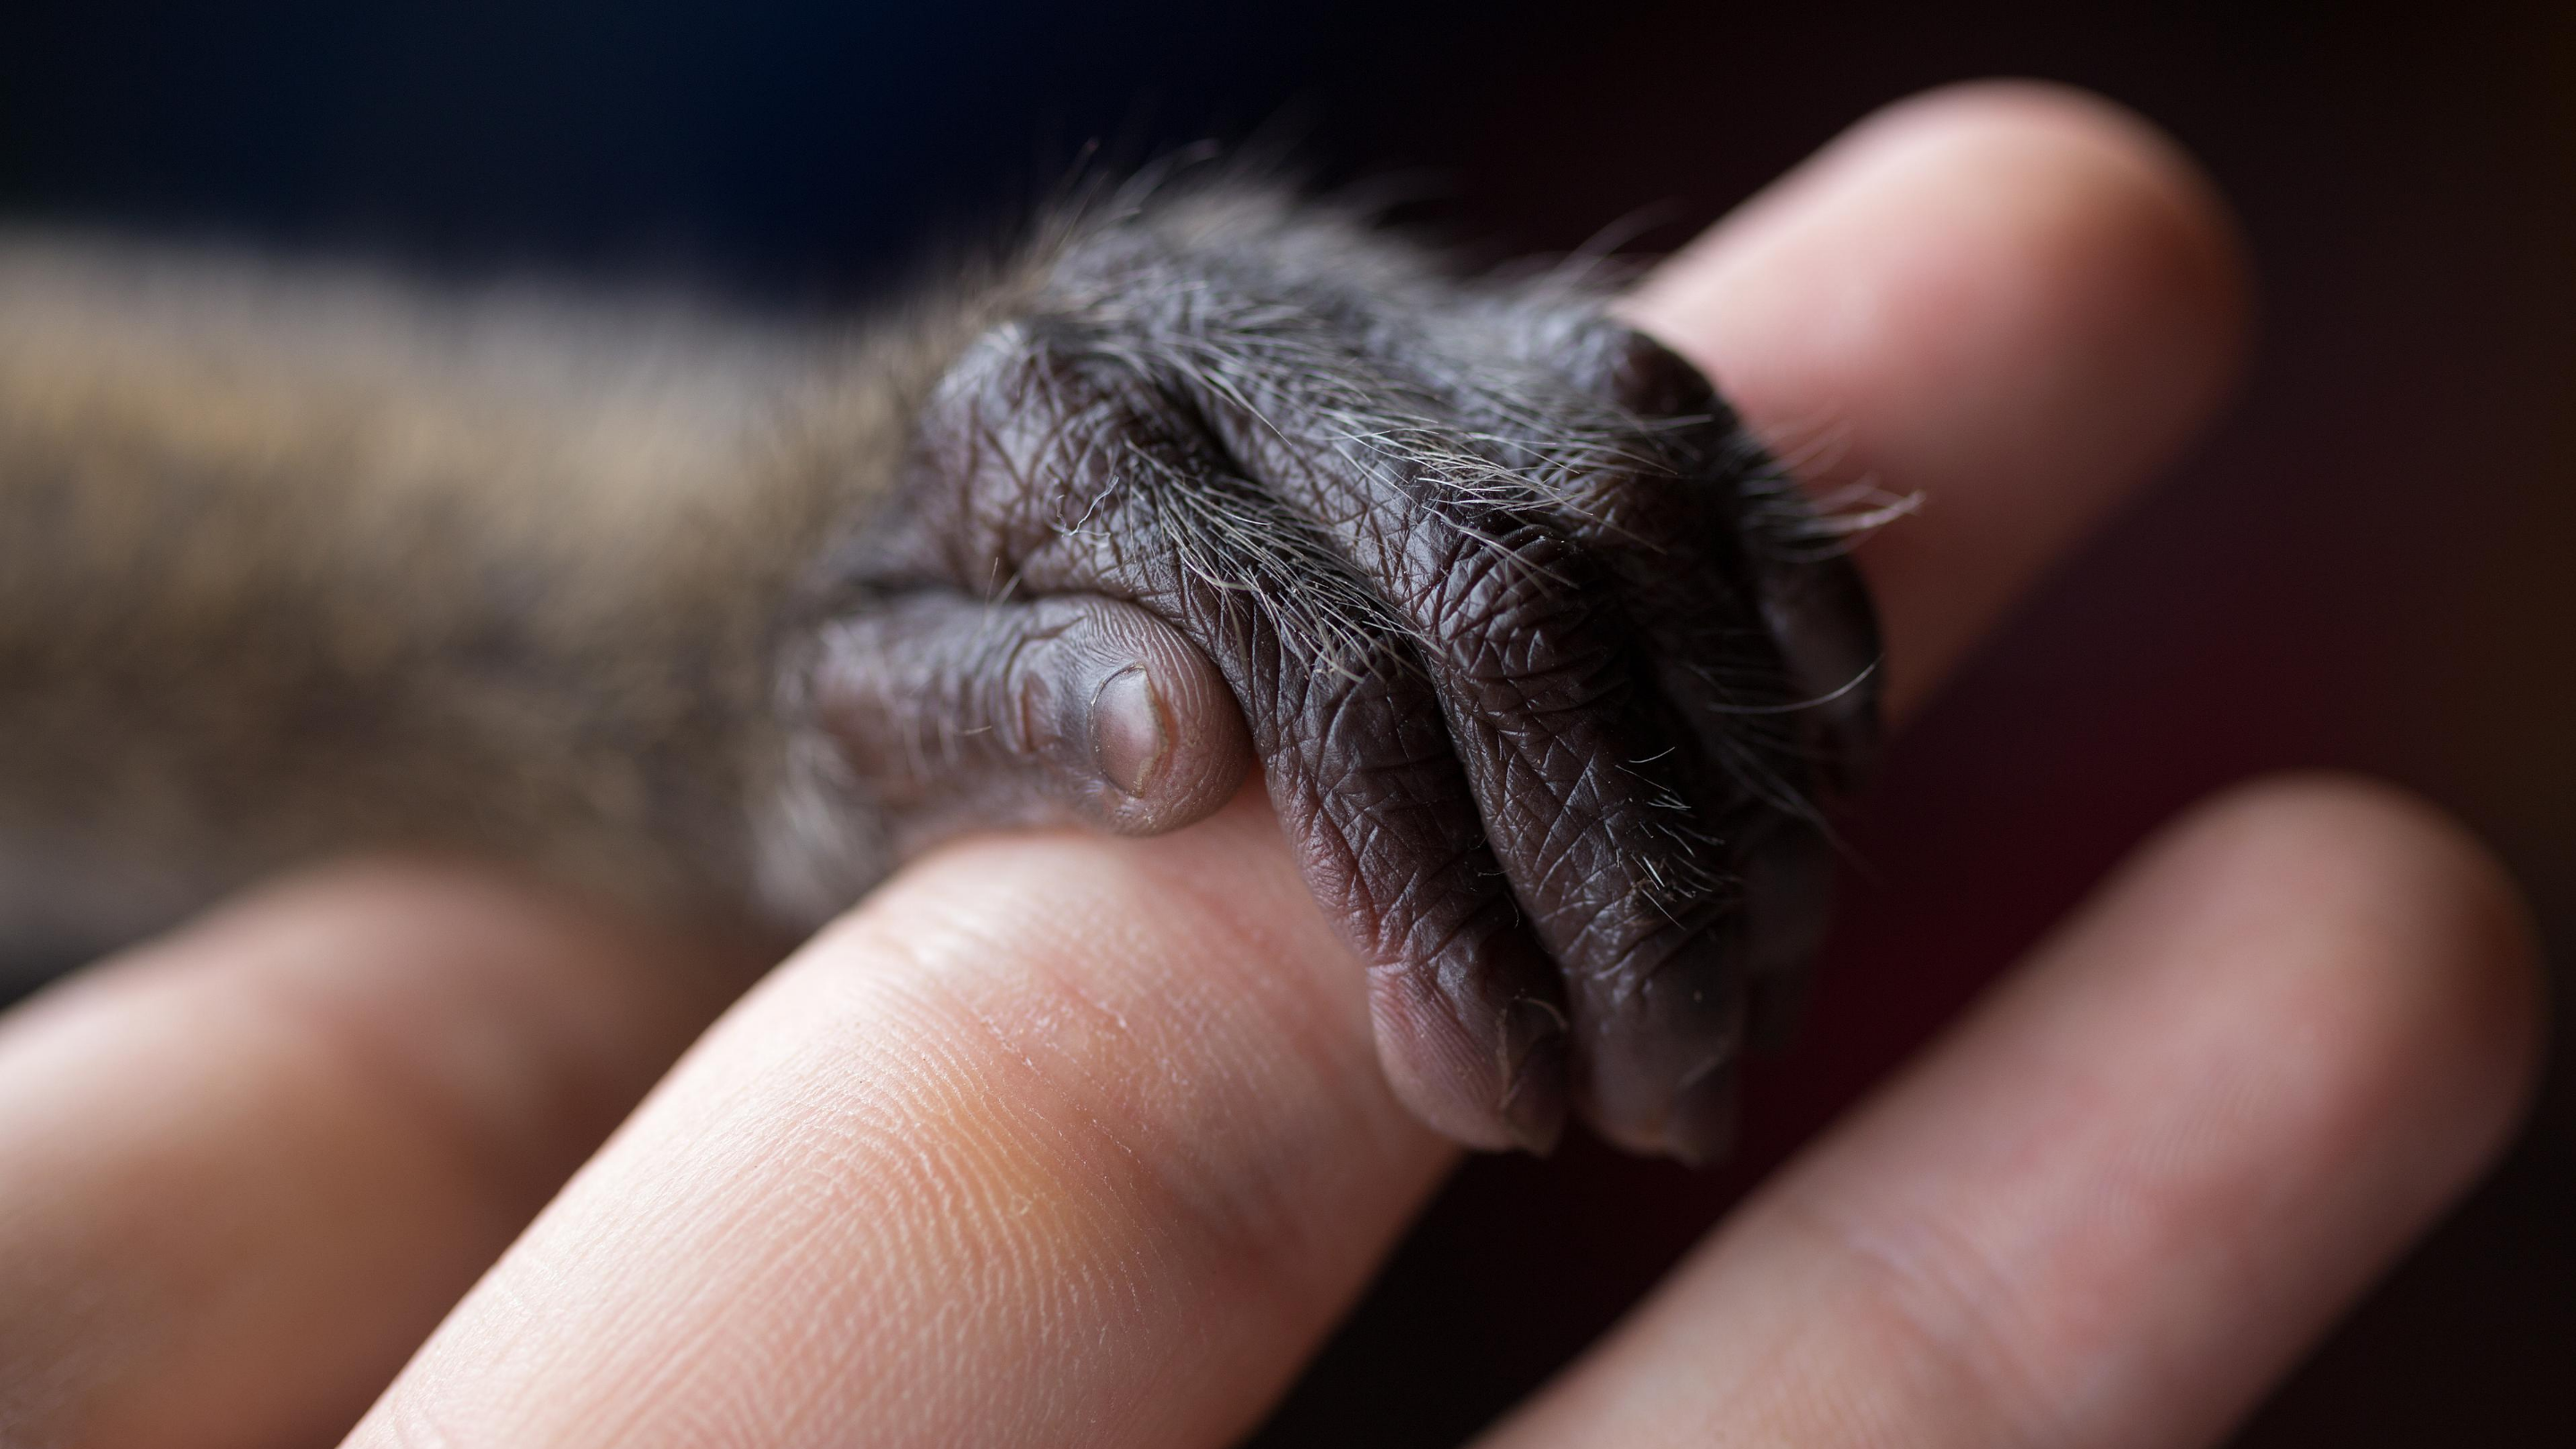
{"x": 1060, "y": 1140}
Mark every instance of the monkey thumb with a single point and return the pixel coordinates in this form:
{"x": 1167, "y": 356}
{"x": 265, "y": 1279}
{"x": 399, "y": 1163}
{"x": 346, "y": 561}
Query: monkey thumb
{"x": 955, "y": 713}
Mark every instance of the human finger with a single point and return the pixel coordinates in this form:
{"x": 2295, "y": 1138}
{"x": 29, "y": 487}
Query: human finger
{"x": 2119, "y": 1200}
{"x": 2001, "y": 306}
{"x": 1080, "y": 1142}
{"x": 244, "y": 1168}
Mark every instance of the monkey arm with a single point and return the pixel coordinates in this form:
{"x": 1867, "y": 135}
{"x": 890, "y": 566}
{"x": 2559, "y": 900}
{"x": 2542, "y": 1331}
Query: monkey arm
{"x": 296, "y": 560}
{"x": 1548, "y": 671}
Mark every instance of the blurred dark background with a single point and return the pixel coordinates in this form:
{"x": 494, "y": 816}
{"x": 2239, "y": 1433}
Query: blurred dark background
{"x": 2372, "y": 565}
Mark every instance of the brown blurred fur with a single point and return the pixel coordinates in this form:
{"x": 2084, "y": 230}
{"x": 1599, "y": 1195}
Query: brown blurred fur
{"x": 308, "y": 560}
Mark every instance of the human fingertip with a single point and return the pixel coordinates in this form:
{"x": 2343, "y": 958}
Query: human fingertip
{"x": 2188, "y": 247}
{"x": 1536, "y": 1046}
{"x": 2457, "y": 974}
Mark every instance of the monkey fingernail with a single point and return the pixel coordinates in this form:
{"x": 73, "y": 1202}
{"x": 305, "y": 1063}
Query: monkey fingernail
{"x": 1661, "y": 1054}
{"x": 1136, "y": 724}
{"x": 1535, "y": 1046}
{"x": 1130, "y": 737}
{"x": 1159, "y": 735}
{"x": 952, "y": 712}
{"x": 1702, "y": 1128}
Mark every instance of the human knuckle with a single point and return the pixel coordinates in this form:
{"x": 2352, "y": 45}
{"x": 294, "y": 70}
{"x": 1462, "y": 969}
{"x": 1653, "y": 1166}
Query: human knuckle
{"x": 1937, "y": 1287}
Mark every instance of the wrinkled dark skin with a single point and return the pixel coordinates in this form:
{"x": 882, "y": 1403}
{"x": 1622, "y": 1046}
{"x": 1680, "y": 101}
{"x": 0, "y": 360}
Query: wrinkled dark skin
{"x": 1548, "y": 670}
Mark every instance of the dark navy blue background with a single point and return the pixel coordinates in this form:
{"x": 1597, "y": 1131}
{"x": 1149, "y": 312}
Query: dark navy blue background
{"x": 804, "y": 140}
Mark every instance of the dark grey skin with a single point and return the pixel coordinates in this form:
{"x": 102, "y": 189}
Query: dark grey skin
{"x": 1549, "y": 672}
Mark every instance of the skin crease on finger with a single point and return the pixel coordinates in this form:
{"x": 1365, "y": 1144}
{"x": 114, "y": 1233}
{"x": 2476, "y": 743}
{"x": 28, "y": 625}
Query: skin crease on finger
{"x": 2124, "y": 1195}
{"x": 1064, "y": 1142}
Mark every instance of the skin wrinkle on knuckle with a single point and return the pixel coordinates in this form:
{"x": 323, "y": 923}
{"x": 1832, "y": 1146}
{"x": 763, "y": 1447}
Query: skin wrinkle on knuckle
{"x": 1392, "y": 917}
{"x": 1041, "y": 443}
{"x": 1421, "y": 922}
{"x": 1424, "y": 890}
{"x": 1397, "y": 892}
{"x": 1435, "y": 947}
{"x": 1512, "y": 635}
{"x": 1937, "y": 1291}
{"x": 1019, "y": 685}
{"x": 1608, "y": 900}
{"x": 1555, "y": 819}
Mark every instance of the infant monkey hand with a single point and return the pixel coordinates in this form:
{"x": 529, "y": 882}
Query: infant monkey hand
{"x": 1550, "y": 671}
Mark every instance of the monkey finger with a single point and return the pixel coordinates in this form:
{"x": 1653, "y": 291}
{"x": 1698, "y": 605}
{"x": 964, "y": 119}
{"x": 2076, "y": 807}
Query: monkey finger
{"x": 1956, "y": 237}
{"x": 1471, "y": 1025}
{"x": 955, "y": 713}
{"x": 1777, "y": 696}
{"x": 1527, "y": 654}
{"x": 1470, "y": 1021}
{"x": 1710, "y": 490}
